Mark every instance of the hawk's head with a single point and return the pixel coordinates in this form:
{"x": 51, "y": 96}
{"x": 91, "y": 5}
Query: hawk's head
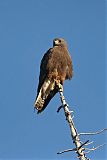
{"x": 59, "y": 42}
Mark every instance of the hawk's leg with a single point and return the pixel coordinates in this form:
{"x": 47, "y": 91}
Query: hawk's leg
{"x": 59, "y": 85}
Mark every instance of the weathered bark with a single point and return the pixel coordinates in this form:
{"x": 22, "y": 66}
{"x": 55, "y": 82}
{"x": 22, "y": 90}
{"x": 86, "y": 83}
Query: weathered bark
{"x": 74, "y": 134}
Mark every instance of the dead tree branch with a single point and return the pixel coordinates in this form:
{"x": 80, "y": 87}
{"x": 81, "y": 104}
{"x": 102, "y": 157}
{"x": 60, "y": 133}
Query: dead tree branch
{"x": 76, "y": 140}
{"x": 93, "y": 133}
{"x": 93, "y": 149}
{"x": 80, "y": 148}
{"x": 74, "y": 149}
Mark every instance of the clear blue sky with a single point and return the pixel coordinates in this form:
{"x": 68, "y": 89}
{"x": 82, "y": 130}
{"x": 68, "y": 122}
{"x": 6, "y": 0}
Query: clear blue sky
{"x": 27, "y": 28}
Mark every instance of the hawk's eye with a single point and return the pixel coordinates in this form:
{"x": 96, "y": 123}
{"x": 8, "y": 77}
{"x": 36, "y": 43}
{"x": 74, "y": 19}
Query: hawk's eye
{"x": 59, "y": 41}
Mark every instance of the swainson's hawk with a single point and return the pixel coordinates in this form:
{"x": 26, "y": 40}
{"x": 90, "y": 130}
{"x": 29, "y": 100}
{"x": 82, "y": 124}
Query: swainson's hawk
{"x": 56, "y": 65}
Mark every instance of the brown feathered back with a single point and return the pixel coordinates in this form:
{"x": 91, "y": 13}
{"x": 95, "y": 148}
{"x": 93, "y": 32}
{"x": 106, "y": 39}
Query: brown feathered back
{"x": 55, "y": 65}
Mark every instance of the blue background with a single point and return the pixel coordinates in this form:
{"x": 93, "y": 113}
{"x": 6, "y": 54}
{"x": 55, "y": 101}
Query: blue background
{"x": 27, "y": 29}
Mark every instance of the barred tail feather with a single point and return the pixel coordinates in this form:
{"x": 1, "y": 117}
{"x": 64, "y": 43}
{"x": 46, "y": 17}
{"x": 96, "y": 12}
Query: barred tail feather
{"x": 46, "y": 93}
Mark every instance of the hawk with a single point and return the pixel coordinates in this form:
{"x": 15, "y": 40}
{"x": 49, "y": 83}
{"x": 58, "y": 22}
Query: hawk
{"x": 56, "y": 65}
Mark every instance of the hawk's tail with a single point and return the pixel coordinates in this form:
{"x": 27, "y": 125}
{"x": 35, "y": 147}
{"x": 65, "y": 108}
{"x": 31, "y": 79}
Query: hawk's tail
{"x": 46, "y": 93}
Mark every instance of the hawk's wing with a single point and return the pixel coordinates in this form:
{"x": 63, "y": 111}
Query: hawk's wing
{"x": 69, "y": 68}
{"x": 46, "y": 88}
{"x": 43, "y": 69}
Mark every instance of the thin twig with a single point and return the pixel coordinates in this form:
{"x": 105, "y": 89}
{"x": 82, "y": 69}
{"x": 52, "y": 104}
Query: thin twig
{"x": 60, "y": 107}
{"x": 93, "y": 133}
{"x": 83, "y": 144}
{"x": 94, "y": 148}
{"x": 68, "y": 150}
{"x": 89, "y": 143}
{"x": 74, "y": 149}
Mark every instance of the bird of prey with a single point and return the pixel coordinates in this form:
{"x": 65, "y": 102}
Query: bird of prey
{"x": 56, "y": 65}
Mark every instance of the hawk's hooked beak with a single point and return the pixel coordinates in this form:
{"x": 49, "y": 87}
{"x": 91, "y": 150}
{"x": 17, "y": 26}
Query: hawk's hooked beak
{"x": 56, "y": 42}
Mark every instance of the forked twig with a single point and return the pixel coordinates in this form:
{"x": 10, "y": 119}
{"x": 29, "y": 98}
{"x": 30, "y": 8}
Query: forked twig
{"x": 93, "y": 133}
{"x": 74, "y": 149}
{"x": 94, "y": 148}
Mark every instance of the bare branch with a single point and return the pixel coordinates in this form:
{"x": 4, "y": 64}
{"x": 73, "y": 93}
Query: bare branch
{"x": 79, "y": 149}
{"x": 93, "y": 133}
{"x": 74, "y": 149}
{"x": 83, "y": 144}
{"x": 68, "y": 150}
{"x": 76, "y": 140}
{"x": 89, "y": 143}
{"x": 59, "y": 109}
{"x": 94, "y": 148}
